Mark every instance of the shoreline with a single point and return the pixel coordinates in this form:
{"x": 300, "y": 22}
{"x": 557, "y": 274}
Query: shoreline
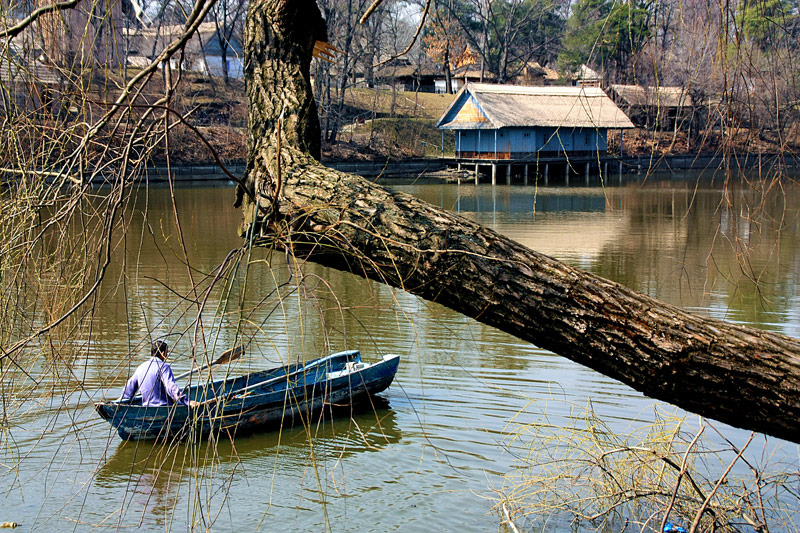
{"x": 443, "y": 169}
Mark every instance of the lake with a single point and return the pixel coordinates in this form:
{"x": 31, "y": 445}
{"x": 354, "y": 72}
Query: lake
{"x": 434, "y": 450}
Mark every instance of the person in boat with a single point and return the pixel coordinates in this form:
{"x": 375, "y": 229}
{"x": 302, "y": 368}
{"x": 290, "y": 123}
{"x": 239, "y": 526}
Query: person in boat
{"x": 155, "y": 381}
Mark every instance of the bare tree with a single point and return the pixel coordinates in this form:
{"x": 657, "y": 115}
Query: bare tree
{"x": 228, "y": 18}
{"x": 508, "y": 34}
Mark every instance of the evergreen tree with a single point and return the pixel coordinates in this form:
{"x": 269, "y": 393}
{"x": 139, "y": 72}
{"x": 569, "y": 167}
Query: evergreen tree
{"x": 606, "y": 34}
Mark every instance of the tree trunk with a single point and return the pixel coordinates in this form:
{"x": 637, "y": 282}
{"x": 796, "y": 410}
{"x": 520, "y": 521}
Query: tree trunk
{"x": 448, "y": 77}
{"x": 743, "y": 376}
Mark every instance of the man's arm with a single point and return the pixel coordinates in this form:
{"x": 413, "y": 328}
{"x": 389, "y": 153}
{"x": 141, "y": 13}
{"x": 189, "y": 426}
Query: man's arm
{"x": 174, "y": 392}
{"x": 130, "y": 387}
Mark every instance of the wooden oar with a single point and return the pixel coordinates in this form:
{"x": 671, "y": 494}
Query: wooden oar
{"x": 227, "y": 356}
{"x": 270, "y": 381}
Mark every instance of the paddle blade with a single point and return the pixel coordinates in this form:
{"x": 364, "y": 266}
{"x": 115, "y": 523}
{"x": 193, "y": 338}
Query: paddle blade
{"x": 229, "y": 355}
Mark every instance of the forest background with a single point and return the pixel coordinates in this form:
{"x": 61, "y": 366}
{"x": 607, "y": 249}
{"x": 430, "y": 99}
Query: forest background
{"x": 735, "y": 62}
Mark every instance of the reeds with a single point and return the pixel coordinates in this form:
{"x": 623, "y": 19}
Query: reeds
{"x": 582, "y": 475}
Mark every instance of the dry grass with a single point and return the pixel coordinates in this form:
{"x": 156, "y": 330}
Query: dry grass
{"x": 385, "y": 102}
{"x": 668, "y": 472}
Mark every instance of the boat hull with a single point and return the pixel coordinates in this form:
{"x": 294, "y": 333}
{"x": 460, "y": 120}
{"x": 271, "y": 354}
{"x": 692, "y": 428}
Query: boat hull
{"x": 257, "y": 401}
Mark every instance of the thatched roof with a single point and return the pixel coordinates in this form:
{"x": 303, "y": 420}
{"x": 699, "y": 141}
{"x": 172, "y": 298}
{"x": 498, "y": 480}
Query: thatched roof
{"x": 405, "y": 71}
{"x": 636, "y": 95}
{"x": 484, "y": 106}
{"x": 534, "y": 68}
{"x": 16, "y": 68}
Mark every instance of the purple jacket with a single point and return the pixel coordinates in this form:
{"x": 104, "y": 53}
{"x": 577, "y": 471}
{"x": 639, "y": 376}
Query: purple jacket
{"x": 155, "y": 380}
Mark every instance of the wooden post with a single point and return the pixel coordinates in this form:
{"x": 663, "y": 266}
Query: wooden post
{"x": 546, "y": 173}
{"x": 477, "y": 173}
{"x": 605, "y": 170}
{"x": 586, "y": 172}
{"x": 620, "y": 172}
{"x": 494, "y": 173}
{"x": 508, "y": 174}
{"x": 526, "y": 173}
{"x": 566, "y": 174}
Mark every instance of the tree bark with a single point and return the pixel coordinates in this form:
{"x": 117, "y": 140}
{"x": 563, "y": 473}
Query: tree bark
{"x": 743, "y": 376}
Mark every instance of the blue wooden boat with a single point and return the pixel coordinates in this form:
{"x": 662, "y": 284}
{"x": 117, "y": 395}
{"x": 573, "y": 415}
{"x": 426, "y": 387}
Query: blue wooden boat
{"x": 258, "y": 400}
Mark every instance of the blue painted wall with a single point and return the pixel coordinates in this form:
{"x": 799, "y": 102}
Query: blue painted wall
{"x": 531, "y": 140}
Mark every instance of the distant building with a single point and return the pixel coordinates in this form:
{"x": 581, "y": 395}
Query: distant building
{"x": 462, "y": 76}
{"x": 209, "y": 58}
{"x": 534, "y": 74}
{"x": 28, "y": 83}
{"x": 404, "y": 75}
{"x": 652, "y": 107}
{"x": 203, "y": 52}
{"x": 517, "y": 122}
{"x": 586, "y": 77}
{"x": 87, "y": 35}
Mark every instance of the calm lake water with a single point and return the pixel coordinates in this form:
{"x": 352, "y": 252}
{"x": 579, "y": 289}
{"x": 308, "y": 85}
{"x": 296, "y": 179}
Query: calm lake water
{"x": 435, "y": 449}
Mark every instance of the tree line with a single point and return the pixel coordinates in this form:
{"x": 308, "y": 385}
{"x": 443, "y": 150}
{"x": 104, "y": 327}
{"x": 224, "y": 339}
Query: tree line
{"x": 734, "y": 60}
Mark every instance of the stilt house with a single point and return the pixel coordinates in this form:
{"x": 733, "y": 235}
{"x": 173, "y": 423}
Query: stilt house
{"x": 522, "y": 123}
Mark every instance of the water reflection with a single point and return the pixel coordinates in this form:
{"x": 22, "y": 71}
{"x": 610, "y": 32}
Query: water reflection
{"x": 727, "y": 250}
{"x": 153, "y": 473}
{"x": 426, "y": 461}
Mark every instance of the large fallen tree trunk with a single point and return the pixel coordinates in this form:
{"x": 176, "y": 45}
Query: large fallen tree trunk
{"x": 743, "y": 376}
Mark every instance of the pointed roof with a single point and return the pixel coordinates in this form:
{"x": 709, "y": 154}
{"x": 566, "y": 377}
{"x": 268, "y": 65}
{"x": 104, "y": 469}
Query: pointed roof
{"x": 585, "y": 72}
{"x": 485, "y": 106}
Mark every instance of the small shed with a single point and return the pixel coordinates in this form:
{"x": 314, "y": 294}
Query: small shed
{"x": 653, "y": 107}
{"x": 519, "y": 123}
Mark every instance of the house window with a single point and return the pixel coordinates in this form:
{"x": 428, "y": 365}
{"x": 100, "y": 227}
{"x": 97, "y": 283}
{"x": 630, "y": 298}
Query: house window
{"x": 588, "y": 138}
{"x": 526, "y": 134}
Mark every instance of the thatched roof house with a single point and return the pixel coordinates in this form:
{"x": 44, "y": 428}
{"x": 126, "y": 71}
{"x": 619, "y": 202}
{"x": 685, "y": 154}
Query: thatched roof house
{"x": 512, "y": 121}
{"x": 652, "y": 106}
